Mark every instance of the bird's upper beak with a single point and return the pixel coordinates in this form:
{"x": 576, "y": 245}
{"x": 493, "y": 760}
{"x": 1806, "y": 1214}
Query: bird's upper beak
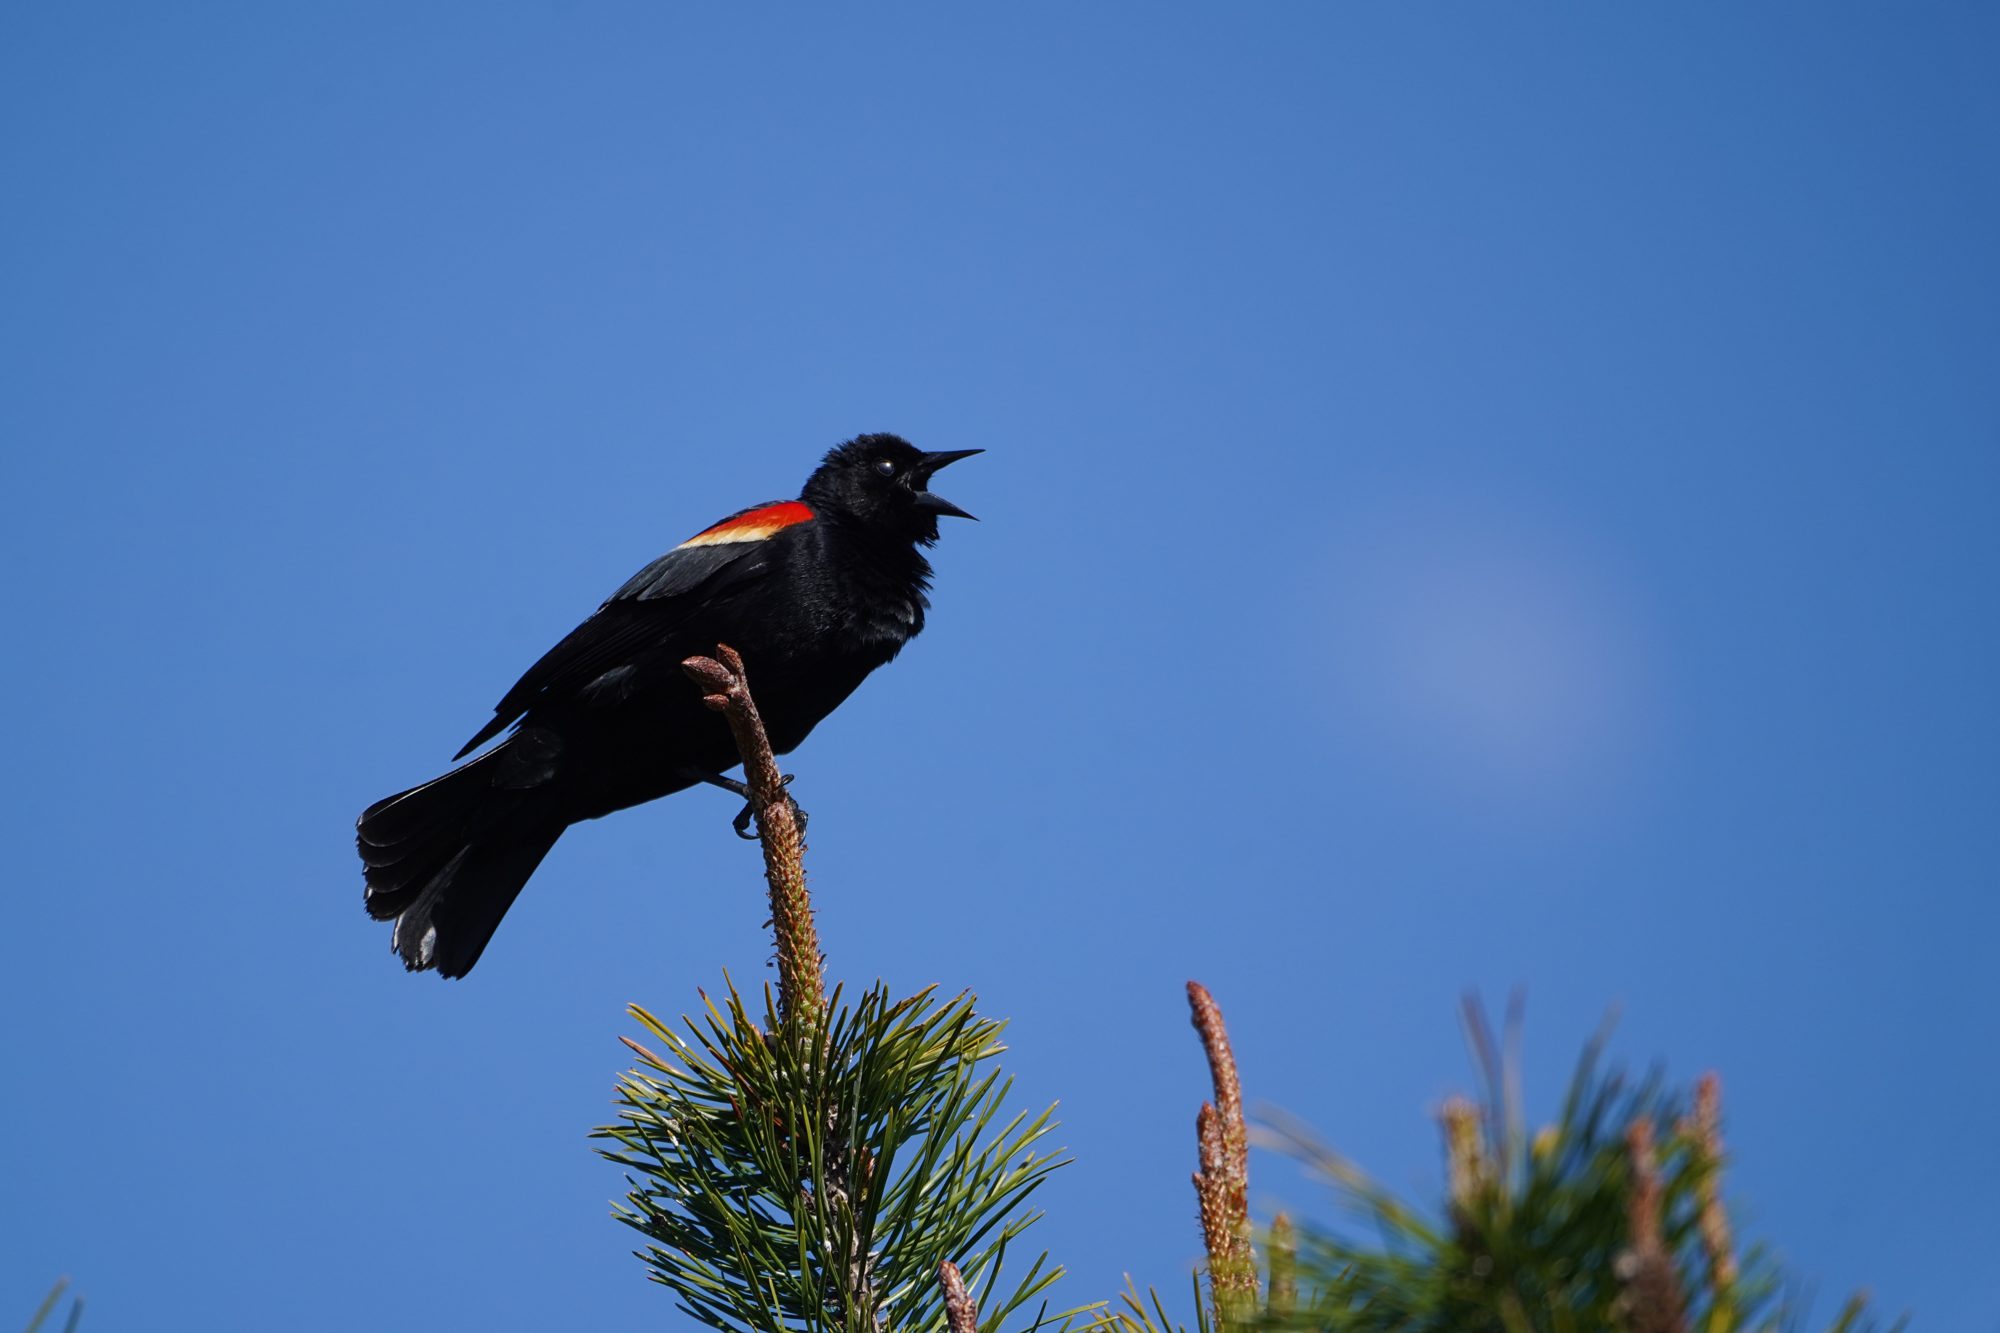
{"x": 920, "y": 476}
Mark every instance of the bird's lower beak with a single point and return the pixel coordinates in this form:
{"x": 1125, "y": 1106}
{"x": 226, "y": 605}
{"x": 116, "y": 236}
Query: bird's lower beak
{"x": 922, "y": 473}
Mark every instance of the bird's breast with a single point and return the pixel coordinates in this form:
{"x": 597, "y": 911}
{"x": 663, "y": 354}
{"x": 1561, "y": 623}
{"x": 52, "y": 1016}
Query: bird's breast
{"x": 884, "y": 621}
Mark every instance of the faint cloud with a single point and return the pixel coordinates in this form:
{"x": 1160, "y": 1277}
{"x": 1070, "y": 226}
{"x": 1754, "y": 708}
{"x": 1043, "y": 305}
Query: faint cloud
{"x": 1483, "y": 649}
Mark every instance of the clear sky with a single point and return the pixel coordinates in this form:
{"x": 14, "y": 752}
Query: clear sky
{"x": 1473, "y": 499}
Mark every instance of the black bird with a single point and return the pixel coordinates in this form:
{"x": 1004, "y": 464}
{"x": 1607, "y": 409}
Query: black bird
{"x": 815, "y": 593}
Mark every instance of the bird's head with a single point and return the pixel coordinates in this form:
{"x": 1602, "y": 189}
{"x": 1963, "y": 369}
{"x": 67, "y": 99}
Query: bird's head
{"x": 884, "y": 481}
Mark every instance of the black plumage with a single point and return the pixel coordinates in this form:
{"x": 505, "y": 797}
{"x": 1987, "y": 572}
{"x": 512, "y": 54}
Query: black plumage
{"x": 815, "y": 593}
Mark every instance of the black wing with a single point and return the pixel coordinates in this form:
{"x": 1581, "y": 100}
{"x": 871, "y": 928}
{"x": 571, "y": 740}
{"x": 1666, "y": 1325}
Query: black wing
{"x": 652, "y": 605}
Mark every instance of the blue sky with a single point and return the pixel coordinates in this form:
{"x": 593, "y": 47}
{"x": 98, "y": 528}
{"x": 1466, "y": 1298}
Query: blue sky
{"x": 1473, "y": 499}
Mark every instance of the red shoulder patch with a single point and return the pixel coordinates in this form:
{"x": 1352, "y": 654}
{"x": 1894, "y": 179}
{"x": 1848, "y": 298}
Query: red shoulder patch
{"x": 752, "y": 525}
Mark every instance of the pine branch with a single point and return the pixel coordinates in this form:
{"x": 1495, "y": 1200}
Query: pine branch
{"x": 1651, "y": 1301}
{"x": 960, "y": 1310}
{"x": 809, "y": 1168}
{"x": 801, "y": 979}
{"x": 1704, "y": 1130}
{"x": 1222, "y": 1186}
{"x": 1607, "y": 1219}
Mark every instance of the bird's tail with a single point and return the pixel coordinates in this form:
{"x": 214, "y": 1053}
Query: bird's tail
{"x": 445, "y": 860}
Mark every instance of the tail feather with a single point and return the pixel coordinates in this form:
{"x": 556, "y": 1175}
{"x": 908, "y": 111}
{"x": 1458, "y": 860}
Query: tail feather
{"x": 453, "y": 917}
{"x": 395, "y": 820}
{"x": 445, "y": 860}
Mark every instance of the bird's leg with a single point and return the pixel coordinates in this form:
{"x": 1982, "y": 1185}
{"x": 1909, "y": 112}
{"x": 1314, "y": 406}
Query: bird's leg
{"x": 742, "y": 821}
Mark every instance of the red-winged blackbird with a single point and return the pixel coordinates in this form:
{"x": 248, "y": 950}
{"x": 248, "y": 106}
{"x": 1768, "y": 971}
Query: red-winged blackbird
{"x": 815, "y": 593}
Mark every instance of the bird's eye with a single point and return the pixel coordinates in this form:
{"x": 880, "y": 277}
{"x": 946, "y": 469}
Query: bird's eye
{"x": 886, "y": 466}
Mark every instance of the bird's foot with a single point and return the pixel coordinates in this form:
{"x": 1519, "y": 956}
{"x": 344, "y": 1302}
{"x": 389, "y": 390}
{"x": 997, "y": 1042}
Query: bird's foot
{"x": 749, "y": 811}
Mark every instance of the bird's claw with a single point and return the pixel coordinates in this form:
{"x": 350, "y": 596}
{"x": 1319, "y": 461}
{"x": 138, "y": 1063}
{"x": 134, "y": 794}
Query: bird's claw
{"x": 749, "y": 812}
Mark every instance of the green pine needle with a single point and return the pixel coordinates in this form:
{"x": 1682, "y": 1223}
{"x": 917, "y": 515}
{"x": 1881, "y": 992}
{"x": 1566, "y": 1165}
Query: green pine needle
{"x": 813, "y": 1176}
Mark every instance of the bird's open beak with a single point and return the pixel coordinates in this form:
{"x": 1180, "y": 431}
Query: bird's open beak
{"x": 921, "y": 475}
